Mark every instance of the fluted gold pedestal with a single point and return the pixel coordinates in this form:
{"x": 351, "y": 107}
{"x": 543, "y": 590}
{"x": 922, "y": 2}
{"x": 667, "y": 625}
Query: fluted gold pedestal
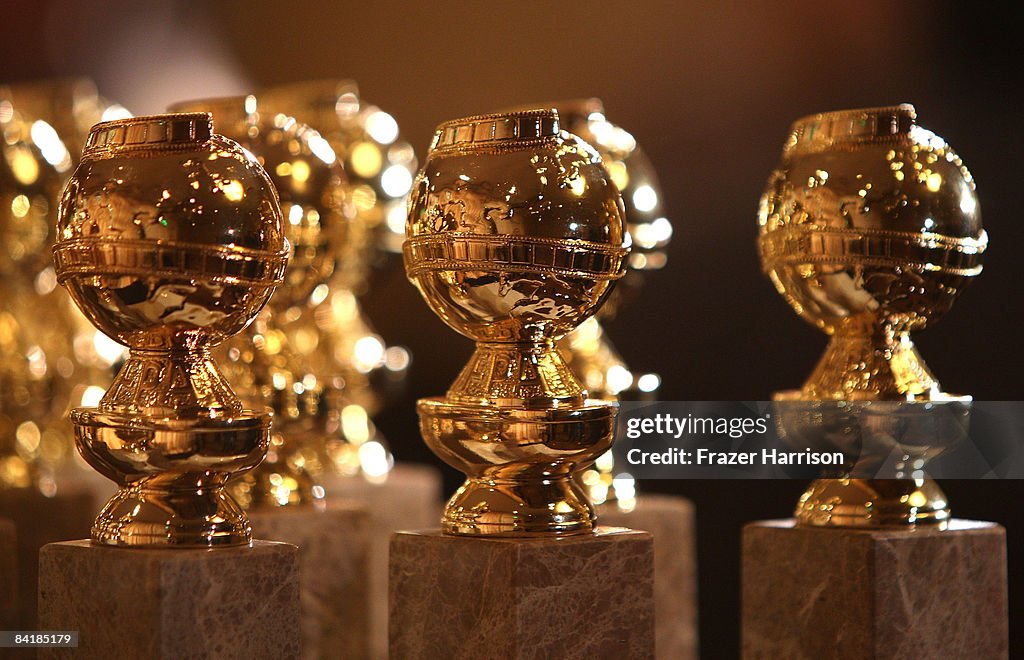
{"x": 334, "y": 581}
{"x": 409, "y": 499}
{"x": 582, "y": 596}
{"x": 670, "y": 520}
{"x": 230, "y": 603}
{"x": 39, "y": 520}
{"x": 8, "y": 576}
{"x": 812, "y": 592}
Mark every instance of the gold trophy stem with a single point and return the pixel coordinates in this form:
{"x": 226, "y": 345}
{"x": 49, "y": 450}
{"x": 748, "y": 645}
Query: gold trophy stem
{"x": 865, "y": 361}
{"x": 870, "y": 361}
{"x": 510, "y": 374}
{"x": 171, "y": 381}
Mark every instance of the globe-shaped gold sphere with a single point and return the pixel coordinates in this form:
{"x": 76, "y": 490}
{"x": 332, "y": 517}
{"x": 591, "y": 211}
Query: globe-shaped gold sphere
{"x": 184, "y": 241}
{"x": 515, "y": 229}
{"x": 515, "y": 236}
{"x": 631, "y": 171}
{"x": 379, "y": 163}
{"x": 309, "y": 180}
{"x": 870, "y": 227}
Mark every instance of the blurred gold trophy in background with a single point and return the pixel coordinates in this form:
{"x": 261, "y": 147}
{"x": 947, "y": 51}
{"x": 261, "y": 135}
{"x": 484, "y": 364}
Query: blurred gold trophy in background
{"x": 287, "y": 359}
{"x": 380, "y": 167}
{"x": 169, "y": 240}
{"x": 515, "y": 236}
{"x": 870, "y": 229}
{"x": 45, "y": 124}
{"x": 33, "y": 169}
{"x": 588, "y": 350}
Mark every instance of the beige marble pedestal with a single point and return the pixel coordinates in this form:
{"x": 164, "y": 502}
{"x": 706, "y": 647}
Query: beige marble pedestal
{"x": 8, "y": 576}
{"x": 670, "y": 520}
{"x": 223, "y": 603}
{"x": 334, "y": 552}
{"x": 410, "y": 498}
{"x": 39, "y": 520}
{"x": 586, "y": 596}
{"x": 811, "y": 592}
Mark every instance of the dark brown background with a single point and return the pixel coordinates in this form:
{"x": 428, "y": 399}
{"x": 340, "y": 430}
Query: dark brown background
{"x": 709, "y": 90}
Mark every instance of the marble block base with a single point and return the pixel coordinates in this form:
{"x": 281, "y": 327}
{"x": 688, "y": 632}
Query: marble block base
{"x": 670, "y": 520}
{"x": 334, "y": 549}
{"x": 409, "y": 499}
{"x": 39, "y": 520}
{"x": 586, "y": 596}
{"x": 811, "y": 592}
{"x": 222, "y": 603}
{"x": 8, "y": 576}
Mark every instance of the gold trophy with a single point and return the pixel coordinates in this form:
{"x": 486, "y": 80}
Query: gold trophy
{"x": 588, "y": 350}
{"x": 870, "y": 229}
{"x": 45, "y": 124}
{"x": 71, "y": 106}
{"x": 31, "y": 177}
{"x": 169, "y": 240}
{"x": 283, "y": 360}
{"x": 515, "y": 236}
{"x": 380, "y": 167}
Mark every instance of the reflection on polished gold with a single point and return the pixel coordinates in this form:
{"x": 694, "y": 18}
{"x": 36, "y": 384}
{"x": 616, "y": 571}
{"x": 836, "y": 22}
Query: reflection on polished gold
{"x": 45, "y": 124}
{"x": 870, "y": 228}
{"x": 283, "y": 360}
{"x": 380, "y": 167}
{"x": 515, "y": 236}
{"x": 169, "y": 240}
{"x": 588, "y": 350}
{"x": 380, "y": 164}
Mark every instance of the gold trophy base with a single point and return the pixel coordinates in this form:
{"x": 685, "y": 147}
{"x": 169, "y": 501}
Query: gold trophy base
{"x": 671, "y": 521}
{"x": 873, "y": 503}
{"x": 334, "y": 589}
{"x": 520, "y": 465}
{"x": 518, "y": 508}
{"x": 172, "y": 474}
{"x": 8, "y": 576}
{"x": 586, "y": 596}
{"x": 191, "y": 603}
{"x": 810, "y": 592}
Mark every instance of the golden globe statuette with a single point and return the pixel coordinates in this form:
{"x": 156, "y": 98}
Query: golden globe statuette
{"x": 169, "y": 240}
{"x": 294, "y": 346}
{"x": 380, "y": 167}
{"x": 358, "y": 466}
{"x": 515, "y": 237}
{"x": 282, "y": 359}
{"x": 870, "y": 228}
{"x": 588, "y": 350}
